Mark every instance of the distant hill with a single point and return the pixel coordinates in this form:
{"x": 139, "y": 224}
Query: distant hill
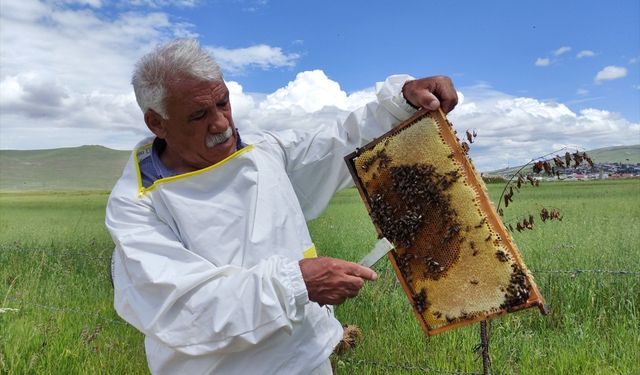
{"x": 619, "y": 154}
{"x": 615, "y": 154}
{"x": 61, "y": 169}
{"x": 98, "y": 167}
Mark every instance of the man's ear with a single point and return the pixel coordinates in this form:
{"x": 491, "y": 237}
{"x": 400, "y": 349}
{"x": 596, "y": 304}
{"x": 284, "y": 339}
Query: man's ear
{"x": 155, "y": 124}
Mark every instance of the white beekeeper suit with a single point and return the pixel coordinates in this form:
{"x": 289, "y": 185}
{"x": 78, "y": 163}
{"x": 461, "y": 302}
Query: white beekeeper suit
{"x": 206, "y": 263}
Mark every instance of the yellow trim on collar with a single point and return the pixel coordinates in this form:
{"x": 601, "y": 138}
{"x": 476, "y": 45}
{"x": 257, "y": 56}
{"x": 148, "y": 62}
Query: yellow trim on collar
{"x": 144, "y": 190}
{"x": 310, "y": 252}
{"x": 136, "y": 163}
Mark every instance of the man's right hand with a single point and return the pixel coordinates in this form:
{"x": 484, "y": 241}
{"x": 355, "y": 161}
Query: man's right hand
{"x": 331, "y": 281}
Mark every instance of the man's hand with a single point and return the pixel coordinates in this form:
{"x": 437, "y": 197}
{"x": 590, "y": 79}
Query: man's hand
{"x": 430, "y": 93}
{"x": 331, "y": 281}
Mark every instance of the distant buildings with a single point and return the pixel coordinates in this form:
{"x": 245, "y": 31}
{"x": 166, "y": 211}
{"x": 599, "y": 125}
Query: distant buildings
{"x": 585, "y": 172}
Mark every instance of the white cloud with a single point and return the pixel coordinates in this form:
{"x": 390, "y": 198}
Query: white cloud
{"x": 161, "y": 3}
{"x": 91, "y": 3}
{"x": 609, "y": 73}
{"x": 66, "y": 69}
{"x": 585, "y": 53}
{"x": 513, "y": 130}
{"x": 261, "y": 56}
{"x": 311, "y": 100}
{"x": 562, "y": 50}
{"x": 32, "y": 95}
{"x": 582, "y": 92}
{"x": 45, "y": 38}
{"x": 252, "y": 5}
{"x": 543, "y": 61}
{"x": 310, "y": 91}
{"x": 60, "y": 90}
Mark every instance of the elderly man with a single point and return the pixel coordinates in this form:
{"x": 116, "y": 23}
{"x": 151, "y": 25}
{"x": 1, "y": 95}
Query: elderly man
{"x": 213, "y": 260}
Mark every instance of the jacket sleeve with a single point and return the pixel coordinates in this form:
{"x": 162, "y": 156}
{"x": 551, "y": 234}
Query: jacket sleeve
{"x": 315, "y": 159}
{"x": 185, "y": 301}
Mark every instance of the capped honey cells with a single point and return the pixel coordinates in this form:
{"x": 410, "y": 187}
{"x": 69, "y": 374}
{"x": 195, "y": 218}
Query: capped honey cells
{"x": 453, "y": 255}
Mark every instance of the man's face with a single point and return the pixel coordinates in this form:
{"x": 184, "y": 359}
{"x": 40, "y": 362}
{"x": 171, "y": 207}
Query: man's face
{"x": 199, "y": 131}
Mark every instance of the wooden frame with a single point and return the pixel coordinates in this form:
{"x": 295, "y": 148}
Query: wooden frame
{"x": 471, "y": 179}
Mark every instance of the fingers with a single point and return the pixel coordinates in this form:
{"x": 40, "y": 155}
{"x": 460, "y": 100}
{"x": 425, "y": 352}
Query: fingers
{"x": 362, "y": 272}
{"x": 448, "y": 99}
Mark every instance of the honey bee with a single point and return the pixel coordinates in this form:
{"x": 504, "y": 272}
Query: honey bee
{"x": 544, "y": 214}
{"x": 538, "y": 167}
{"x": 465, "y": 147}
{"x": 527, "y": 224}
{"x": 531, "y": 180}
{"x": 502, "y": 256}
{"x": 588, "y": 159}
{"x": 481, "y": 223}
{"x": 508, "y": 197}
{"x": 547, "y": 167}
{"x": 471, "y": 135}
{"x": 577, "y": 158}
{"x": 420, "y": 301}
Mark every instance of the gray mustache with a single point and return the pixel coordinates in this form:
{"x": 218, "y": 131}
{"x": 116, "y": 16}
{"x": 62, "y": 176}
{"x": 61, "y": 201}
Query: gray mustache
{"x": 214, "y": 139}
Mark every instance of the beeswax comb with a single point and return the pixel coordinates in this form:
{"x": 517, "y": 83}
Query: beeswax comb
{"x": 455, "y": 260}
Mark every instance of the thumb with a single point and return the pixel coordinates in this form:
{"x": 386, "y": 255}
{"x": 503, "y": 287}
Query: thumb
{"x": 429, "y": 101}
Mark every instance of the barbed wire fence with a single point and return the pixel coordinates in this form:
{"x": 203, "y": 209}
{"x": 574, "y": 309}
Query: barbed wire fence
{"x": 482, "y": 349}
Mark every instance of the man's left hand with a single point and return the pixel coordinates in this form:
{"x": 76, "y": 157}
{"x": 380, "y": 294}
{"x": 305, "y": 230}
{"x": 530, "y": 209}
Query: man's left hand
{"x": 430, "y": 93}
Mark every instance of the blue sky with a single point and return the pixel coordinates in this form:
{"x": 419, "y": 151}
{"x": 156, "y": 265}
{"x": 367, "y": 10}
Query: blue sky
{"x": 533, "y": 76}
{"x": 493, "y": 42}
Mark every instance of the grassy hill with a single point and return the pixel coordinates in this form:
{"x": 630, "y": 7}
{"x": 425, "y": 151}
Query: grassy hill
{"x": 61, "y": 169}
{"x": 620, "y": 154}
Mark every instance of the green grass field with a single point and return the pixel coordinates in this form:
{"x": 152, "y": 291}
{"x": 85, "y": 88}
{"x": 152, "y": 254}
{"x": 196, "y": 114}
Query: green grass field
{"x": 56, "y": 312}
{"x": 61, "y": 169}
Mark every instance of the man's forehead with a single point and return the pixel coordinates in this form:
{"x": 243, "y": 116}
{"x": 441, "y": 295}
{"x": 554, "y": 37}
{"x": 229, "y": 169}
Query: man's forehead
{"x": 197, "y": 92}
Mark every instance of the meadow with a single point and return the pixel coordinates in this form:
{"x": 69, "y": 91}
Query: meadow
{"x": 56, "y": 314}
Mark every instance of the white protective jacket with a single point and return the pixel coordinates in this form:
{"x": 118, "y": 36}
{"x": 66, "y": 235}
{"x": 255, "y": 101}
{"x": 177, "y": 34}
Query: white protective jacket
{"x": 206, "y": 263}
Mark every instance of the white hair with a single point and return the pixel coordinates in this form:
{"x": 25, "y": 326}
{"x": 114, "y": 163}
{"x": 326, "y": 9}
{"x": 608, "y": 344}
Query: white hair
{"x": 179, "y": 59}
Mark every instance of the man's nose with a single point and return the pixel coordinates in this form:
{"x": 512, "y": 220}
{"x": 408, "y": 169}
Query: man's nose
{"x": 218, "y": 122}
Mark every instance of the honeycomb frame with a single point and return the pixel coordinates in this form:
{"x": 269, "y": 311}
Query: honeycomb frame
{"x": 456, "y": 262}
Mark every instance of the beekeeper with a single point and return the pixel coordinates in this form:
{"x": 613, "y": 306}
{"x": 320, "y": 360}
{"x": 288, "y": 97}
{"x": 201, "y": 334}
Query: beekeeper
{"x": 213, "y": 261}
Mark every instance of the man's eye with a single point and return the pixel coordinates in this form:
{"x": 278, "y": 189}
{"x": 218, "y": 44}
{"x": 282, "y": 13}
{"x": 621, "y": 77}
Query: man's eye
{"x": 198, "y": 116}
{"x": 223, "y": 104}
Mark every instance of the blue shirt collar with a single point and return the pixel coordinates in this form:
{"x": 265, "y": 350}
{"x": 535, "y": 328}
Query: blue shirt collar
{"x": 161, "y": 171}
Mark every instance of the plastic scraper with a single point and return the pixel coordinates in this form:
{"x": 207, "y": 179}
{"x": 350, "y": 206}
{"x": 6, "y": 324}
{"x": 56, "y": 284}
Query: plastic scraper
{"x": 382, "y": 247}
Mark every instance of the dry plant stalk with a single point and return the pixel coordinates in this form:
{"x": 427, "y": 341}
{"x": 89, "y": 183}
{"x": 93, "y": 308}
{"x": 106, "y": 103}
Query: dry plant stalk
{"x": 454, "y": 257}
{"x": 551, "y": 167}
